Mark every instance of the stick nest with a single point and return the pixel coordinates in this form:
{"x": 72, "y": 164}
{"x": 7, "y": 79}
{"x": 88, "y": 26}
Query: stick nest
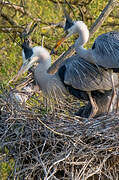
{"x": 52, "y": 145}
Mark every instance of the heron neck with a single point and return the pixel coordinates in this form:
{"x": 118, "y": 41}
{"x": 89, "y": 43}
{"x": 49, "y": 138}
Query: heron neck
{"x": 86, "y": 54}
{"x": 42, "y": 67}
{"x": 80, "y": 42}
{"x": 82, "y": 39}
{"x": 41, "y": 75}
{"x": 50, "y": 84}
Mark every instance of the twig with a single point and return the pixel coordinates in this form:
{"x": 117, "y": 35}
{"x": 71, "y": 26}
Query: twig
{"x": 52, "y": 25}
{"x": 60, "y": 160}
{"x": 98, "y": 168}
{"x": 104, "y": 14}
{"x": 10, "y": 5}
{"x": 55, "y": 132}
{"x": 76, "y": 2}
{"x": 9, "y": 30}
{"x": 28, "y": 30}
{"x": 38, "y": 153}
{"x": 9, "y": 19}
{"x": 19, "y": 8}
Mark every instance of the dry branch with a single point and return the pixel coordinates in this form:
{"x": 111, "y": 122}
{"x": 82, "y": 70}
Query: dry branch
{"x": 7, "y": 18}
{"x": 13, "y": 6}
{"x": 105, "y": 13}
{"x": 20, "y": 9}
{"x": 10, "y": 30}
{"x": 76, "y": 2}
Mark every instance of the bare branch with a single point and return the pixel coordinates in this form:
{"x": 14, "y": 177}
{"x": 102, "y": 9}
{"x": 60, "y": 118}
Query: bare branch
{"x": 15, "y": 7}
{"x": 60, "y": 59}
{"x": 104, "y": 14}
{"x": 76, "y": 2}
{"x": 28, "y": 30}
{"x": 18, "y": 8}
{"x": 16, "y": 29}
{"x": 9, "y": 19}
{"x": 52, "y": 25}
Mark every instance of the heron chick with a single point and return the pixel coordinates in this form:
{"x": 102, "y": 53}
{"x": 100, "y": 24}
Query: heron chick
{"x": 75, "y": 76}
{"x": 104, "y": 51}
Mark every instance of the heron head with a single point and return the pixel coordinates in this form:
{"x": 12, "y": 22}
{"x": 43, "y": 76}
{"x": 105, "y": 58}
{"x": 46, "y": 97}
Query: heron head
{"x": 70, "y": 28}
{"x": 27, "y": 50}
{"x": 68, "y": 31}
{"x": 39, "y": 55}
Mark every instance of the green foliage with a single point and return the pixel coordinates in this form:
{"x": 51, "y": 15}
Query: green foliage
{"x": 6, "y": 168}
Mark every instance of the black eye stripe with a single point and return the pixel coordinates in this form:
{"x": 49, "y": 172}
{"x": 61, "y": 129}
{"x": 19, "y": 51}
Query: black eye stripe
{"x": 93, "y": 47}
{"x": 28, "y": 52}
{"x": 68, "y": 25}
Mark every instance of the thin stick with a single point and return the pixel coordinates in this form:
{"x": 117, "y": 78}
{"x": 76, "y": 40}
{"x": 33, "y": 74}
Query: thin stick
{"x": 55, "y": 132}
{"x": 102, "y": 17}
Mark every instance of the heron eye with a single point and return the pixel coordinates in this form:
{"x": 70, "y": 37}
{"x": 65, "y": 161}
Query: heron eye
{"x": 66, "y": 31}
{"x": 28, "y": 59}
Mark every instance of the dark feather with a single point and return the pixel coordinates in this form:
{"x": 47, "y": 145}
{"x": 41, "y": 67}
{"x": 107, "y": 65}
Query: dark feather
{"x": 82, "y": 95}
{"x": 27, "y": 50}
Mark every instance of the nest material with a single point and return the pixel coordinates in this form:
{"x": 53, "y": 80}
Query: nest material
{"x": 58, "y": 145}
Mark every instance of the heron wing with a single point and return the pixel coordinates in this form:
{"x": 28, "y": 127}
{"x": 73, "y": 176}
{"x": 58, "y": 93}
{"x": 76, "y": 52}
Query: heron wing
{"x": 105, "y": 50}
{"x": 84, "y": 76}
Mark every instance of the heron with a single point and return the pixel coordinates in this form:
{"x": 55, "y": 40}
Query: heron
{"x": 75, "y": 76}
{"x": 104, "y": 51}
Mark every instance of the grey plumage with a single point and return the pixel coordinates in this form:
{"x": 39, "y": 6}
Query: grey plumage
{"x": 82, "y": 75}
{"x": 79, "y": 74}
{"x": 75, "y": 76}
{"x": 105, "y": 50}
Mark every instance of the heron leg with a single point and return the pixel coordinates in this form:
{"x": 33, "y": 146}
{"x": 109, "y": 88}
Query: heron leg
{"x": 94, "y": 106}
{"x": 117, "y": 104}
{"x": 113, "y": 93}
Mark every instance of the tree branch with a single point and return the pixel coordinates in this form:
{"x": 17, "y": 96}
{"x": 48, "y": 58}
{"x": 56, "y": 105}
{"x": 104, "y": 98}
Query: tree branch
{"x": 18, "y": 8}
{"x": 9, "y": 19}
{"x": 73, "y": 2}
{"x": 15, "y": 7}
{"x": 10, "y": 29}
{"x": 104, "y": 14}
{"x": 102, "y": 17}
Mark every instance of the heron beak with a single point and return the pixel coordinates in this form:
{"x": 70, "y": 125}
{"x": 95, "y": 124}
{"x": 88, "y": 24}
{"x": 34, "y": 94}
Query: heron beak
{"x": 21, "y": 71}
{"x": 25, "y": 67}
{"x": 59, "y": 43}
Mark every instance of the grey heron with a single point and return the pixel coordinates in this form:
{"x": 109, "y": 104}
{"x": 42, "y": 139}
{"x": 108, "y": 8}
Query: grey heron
{"x": 104, "y": 51}
{"x": 75, "y": 76}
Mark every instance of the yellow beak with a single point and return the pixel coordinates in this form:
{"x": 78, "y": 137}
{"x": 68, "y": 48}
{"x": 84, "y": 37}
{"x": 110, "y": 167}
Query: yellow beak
{"x": 59, "y": 43}
{"x": 25, "y": 67}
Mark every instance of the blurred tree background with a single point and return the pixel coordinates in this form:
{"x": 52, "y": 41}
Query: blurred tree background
{"x": 48, "y": 14}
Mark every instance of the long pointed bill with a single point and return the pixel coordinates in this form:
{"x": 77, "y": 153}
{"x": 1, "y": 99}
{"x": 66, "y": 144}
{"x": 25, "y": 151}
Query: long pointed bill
{"x": 59, "y": 43}
{"x": 25, "y": 67}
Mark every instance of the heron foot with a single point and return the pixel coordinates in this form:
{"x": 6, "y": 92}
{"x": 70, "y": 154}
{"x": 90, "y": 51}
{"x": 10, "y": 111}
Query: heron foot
{"x": 112, "y": 97}
{"x": 94, "y": 109}
{"x": 117, "y": 104}
{"x": 84, "y": 111}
